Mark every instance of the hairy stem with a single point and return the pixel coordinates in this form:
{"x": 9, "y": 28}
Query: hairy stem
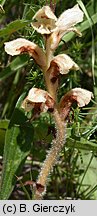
{"x": 53, "y": 154}
{"x": 49, "y": 84}
{"x": 59, "y": 141}
{"x": 57, "y": 145}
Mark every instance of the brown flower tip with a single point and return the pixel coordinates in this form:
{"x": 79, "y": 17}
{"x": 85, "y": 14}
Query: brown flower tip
{"x": 40, "y": 188}
{"x": 39, "y": 100}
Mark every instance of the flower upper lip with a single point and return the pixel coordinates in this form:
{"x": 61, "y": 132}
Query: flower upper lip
{"x": 45, "y": 12}
{"x": 80, "y": 95}
{"x": 47, "y": 22}
{"x": 62, "y": 63}
{"x": 70, "y": 18}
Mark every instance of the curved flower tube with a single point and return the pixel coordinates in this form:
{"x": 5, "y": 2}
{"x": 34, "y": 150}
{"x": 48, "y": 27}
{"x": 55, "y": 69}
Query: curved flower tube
{"x": 61, "y": 64}
{"x": 81, "y": 96}
{"x": 20, "y": 45}
{"x": 38, "y": 98}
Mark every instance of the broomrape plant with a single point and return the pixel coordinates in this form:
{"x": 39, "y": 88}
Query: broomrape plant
{"x": 52, "y": 29}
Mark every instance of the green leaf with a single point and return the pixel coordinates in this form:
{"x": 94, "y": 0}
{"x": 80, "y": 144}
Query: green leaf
{"x": 18, "y": 139}
{"x": 16, "y": 64}
{"x": 4, "y": 124}
{"x": 93, "y": 44}
{"x": 2, "y": 138}
{"x": 13, "y": 27}
{"x": 3, "y": 127}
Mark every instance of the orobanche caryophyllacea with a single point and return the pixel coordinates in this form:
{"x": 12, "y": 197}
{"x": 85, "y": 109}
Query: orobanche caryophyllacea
{"x": 53, "y": 29}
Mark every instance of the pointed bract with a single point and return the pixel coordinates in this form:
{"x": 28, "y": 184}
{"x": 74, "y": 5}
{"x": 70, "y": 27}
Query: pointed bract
{"x": 21, "y": 45}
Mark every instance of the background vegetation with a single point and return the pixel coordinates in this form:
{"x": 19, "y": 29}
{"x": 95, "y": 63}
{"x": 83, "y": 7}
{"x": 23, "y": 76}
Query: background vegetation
{"x": 24, "y": 143}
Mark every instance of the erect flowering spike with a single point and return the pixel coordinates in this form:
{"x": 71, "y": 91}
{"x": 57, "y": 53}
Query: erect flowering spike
{"x": 81, "y": 96}
{"x": 20, "y": 45}
{"x": 38, "y": 98}
{"x": 61, "y": 64}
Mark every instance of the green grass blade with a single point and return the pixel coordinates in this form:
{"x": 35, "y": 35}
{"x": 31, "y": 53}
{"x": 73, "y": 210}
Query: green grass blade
{"x": 2, "y": 2}
{"x": 83, "y": 144}
{"x": 93, "y": 43}
{"x": 85, "y": 173}
{"x": 13, "y": 27}
{"x": 15, "y": 65}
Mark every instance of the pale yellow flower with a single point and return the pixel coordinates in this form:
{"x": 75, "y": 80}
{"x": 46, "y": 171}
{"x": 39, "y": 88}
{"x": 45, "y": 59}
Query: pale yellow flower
{"x": 81, "y": 96}
{"x": 38, "y": 97}
{"x": 45, "y": 20}
{"x": 61, "y": 64}
{"x": 21, "y": 45}
{"x": 48, "y": 23}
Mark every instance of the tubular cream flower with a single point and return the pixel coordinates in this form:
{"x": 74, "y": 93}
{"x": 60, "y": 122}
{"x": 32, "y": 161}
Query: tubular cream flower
{"x": 61, "y": 64}
{"x": 79, "y": 95}
{"x": 45, "y": 20}
{"x": 38, "y": 98}
{"x": 47, "y": 23}
{"x": 21, "y": 45}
